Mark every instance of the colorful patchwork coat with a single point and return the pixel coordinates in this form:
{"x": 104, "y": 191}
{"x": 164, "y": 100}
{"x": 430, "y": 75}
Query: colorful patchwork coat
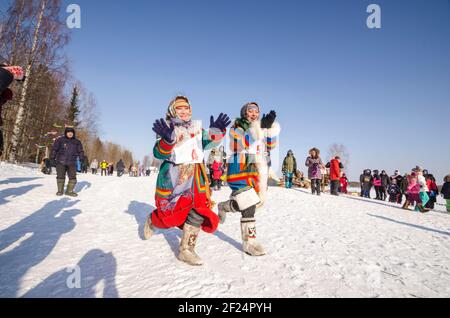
{"x": 181, "y": 188}
{"x": 250, "y": 147}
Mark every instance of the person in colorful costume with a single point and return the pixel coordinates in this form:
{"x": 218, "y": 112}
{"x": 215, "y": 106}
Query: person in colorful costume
{"x": 251, "y": 139}
{"x": 182, "y": 190}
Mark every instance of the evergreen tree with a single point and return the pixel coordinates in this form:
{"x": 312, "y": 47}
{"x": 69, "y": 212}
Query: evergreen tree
{"x": 74, "y": 110}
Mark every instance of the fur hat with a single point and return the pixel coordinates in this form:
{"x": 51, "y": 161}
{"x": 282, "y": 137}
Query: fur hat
{"x": 247, "y": 107}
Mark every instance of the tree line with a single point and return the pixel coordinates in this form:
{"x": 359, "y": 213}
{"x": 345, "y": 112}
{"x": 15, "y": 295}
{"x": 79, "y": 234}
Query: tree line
{"x": 33, "y": 35}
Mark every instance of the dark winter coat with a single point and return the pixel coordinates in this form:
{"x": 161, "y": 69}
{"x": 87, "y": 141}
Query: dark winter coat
{"x": 120, "y": 166}
{"x": 366, "y": 181}
{"x": 446, "y": 190}
{"x": 385, "y": 180}
{"x": 66, "y": 151}
{"x": 398, "y": 178}
{"x": 404, "y": 185}
{"x": 394, "y": 189}
{"x": 314, "y": 165}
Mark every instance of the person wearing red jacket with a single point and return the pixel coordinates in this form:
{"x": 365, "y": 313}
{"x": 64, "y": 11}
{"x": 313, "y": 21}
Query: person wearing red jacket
{"x": 335, "y": 167}
{"x": 344, "y": 183}
{"x": 433, "y": 191}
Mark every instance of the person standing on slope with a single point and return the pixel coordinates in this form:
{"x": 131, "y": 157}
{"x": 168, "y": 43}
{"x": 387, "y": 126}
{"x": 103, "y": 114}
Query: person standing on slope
{"x": 315, "y": 167}
{"x": 182, "y": 190}
{"x": 445, "y": 191}
{"x": 65, "y": 152}
{"x": 335, "y": 167}
{"x": 120, "y": 168}
{"x": 385, "y": 182}
{"x": 247, "y": 175}
{"x": 289, "y": 169}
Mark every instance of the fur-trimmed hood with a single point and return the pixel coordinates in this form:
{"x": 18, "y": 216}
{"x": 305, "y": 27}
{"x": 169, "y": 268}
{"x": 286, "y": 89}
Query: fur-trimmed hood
{"x": 316, "y": 150}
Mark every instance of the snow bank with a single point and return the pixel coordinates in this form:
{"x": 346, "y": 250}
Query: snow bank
{"x": 317, "y": 246}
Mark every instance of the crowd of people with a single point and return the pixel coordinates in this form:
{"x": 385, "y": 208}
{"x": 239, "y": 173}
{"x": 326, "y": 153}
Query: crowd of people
{"x": 103, "y": 168}
{"x": 418, "y": 188}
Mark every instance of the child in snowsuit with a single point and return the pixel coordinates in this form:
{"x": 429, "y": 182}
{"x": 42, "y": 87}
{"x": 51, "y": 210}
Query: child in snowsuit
{"x": 315, "y": 166}
{"x": 289, "y": 168}
{"x": 247, "y": 175}
{"x": 344, "y": 183}
{"x": 395, "y": 194}
{"x": 217, "y": 174}
{"x": 404, "y": 186}
{"x": 445, "y": 191}
{"x": 182, "y": 192}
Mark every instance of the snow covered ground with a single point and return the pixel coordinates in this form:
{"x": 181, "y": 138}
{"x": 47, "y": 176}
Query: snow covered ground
{"x": 317, "y": 247}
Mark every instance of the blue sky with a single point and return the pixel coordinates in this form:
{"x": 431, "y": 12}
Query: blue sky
{"x": 384, "y": 93}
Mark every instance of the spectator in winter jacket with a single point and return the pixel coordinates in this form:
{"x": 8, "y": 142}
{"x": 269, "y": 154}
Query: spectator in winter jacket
{"x": 104, "y": 168}
{"x": 94, "y": 166}
{"x": 289, "y": 168}
{"x": 395, "y": 194}
{"x": 366, "y": 182}
{"x": 344, "y": 183}
{"x": 445, "y": 191}
{"x": 66, "y": 150}
{"x": 315, "y": 166}
{"x": 377, "y": 184}
{"x": 120, "y": 168}
{"x": 385, "y": 181}
{"x": 397, "y": 176}
{"x": 110, "y": 169}
{"x": 433, "y": 191}
{"x": 335, "y": 167}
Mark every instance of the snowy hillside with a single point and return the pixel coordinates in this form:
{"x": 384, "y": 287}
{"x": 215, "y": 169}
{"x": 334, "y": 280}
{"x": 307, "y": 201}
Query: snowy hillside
{"x": 317, "y": 247}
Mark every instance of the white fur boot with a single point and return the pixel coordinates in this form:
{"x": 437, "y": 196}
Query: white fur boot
{"x": 249, "y": 244}
{"x": 149, "y": 229}
{"x": 187, "y": 246}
